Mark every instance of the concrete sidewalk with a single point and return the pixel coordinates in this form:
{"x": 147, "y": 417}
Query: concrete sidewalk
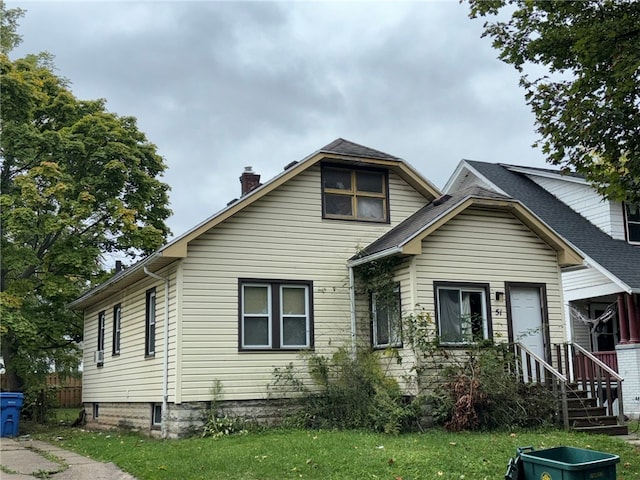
{"x": 25, "y": 459}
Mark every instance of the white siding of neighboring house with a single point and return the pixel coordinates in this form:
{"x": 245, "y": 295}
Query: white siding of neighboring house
{"x": 582, "y": 198}
{"x": 490, "y": 247}
{"x": 130, "y": 377}
{"x": 281, "y": 236}
{"x": 586, "y": 283}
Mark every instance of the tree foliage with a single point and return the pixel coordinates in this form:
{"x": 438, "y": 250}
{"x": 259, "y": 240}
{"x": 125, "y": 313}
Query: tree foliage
{"x": 9, "y": 37}
{"x": 76, "y": 181}
{"x": 588, "y": 107}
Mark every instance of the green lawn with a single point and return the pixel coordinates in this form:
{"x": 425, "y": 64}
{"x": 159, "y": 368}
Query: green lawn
{"x": 288, "y": 454}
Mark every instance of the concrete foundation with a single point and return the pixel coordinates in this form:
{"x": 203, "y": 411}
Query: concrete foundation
{"x": 182, "y": 419}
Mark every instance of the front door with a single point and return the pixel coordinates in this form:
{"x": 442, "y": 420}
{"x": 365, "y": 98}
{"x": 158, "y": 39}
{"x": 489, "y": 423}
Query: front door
{"x": 526, "y": 309}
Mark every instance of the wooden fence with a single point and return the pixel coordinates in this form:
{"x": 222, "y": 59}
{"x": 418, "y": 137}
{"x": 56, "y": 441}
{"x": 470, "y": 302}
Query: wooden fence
{"x": 68, "y": 390}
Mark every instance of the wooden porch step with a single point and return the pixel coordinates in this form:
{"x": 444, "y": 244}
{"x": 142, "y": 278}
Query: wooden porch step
{"x": 582, "y": 402}
{"x": 587, "y": 412}
{"x": 575, "y": 393}
{"x": 605, "y": 429}
{"x": 580, "y": 422}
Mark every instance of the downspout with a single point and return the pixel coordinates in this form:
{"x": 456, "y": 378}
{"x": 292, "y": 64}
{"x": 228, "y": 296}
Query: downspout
{"x": 352, "y": 309}
{"x": 165, "y": 361}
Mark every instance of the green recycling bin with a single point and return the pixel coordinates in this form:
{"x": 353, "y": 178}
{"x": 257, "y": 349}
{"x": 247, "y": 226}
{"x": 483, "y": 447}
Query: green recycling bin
{"x": 567, "y": 463}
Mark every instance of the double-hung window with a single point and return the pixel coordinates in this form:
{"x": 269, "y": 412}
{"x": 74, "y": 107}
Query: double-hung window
{"x": 117, "y": 317}
{"x": 632, "y": 217}
{"x": 462, "y": 312}
{"x": 275, "y": 315}
{"x": 387, "y": 319}
{"x": 150, "y": 323}
{"x": 100, "y": 345}
{"x": 355, "y": 194}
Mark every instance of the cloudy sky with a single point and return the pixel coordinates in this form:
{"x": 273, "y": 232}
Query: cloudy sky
{"x": 218, "y": 86}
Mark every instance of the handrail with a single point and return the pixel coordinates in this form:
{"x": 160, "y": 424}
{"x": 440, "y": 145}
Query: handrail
{"x": 546, "y": 366}
{"x": 598, "y": 362}
{"x": 559, "y": 376}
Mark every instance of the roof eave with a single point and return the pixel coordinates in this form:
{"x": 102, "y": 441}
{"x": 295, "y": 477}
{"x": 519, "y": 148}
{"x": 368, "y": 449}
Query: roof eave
{"x": 119, "y": 278}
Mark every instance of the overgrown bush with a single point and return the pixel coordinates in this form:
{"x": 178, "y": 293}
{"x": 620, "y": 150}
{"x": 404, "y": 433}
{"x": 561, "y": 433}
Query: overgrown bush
{"x": 480, "y": 391}
{"x": 38, "y": 404}
{"x": 347, "y": 393}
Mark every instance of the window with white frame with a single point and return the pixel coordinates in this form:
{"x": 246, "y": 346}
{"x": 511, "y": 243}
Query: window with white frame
{"x": 101, "y": 328}
{"x": 275, "y": 315}
{"x": 117, "y": 317}
{"x": 355, "y": 194}
{"x": 150, "y": 323}
{"x": 387, "y": 319}
{"x": 462, "y": 313}
{"x": 156, "y": 414}
{"x": 632, "y": 217}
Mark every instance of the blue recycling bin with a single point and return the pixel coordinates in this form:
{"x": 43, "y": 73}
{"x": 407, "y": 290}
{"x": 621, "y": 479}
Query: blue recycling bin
{"x": 10, "y": 405}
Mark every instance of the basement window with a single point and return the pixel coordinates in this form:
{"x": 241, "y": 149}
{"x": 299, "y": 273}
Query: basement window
{"x": 156, "y": 415}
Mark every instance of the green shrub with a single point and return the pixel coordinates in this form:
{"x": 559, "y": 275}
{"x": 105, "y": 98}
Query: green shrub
{"x": 218, "y": 424}
{"x": 348, "y": 393}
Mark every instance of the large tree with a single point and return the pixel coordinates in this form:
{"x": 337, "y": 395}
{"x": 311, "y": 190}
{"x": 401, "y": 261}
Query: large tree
{"x": 587, "y": 107}
{"x": 77, "y": 182}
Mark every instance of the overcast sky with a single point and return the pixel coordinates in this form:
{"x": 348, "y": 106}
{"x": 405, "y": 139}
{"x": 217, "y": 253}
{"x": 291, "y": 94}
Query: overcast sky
{"x": 218, "y": 86}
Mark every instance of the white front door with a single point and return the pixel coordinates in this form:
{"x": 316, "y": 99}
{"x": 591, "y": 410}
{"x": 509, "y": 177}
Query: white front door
{"x": 526, "y": 319}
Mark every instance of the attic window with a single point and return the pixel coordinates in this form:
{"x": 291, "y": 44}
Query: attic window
{"x": 632, "y": 212}
{"x": 355, "y": 194}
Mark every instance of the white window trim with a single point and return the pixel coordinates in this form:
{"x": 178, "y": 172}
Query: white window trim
{"x": 627, "y": 223}
{"x": 117, "y": 329}
{"x": 397, "y": 332}
{"x": 306, "y": 316}
{"x": 485, "y": 316}
{"x": 150, "y": 307}
{"x": 269, "y": 316}
{"x": 155, "y": 406}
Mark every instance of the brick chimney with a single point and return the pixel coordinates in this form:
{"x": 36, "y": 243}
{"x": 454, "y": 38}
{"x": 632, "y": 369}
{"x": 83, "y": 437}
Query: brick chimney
{"x": 249, "y": 180}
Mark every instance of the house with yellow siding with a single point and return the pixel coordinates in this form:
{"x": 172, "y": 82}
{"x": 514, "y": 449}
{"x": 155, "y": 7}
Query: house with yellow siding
{"x": 272, "y": 275}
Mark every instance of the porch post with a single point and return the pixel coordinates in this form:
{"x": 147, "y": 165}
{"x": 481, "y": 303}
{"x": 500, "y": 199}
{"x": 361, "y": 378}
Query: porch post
{"x": 622, "y": 320}
{"x": 634, "y": 323}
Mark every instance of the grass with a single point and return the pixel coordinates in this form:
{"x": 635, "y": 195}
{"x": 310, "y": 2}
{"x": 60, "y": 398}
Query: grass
{"x": 294, "y": 454}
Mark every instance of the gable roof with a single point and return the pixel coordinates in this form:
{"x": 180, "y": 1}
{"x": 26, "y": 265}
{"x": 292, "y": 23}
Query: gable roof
{"x": 617, "y": 259}
{"x": 340, "y": 150}
{"x": 406, "y": 238}
{"x": 341, "y": 146}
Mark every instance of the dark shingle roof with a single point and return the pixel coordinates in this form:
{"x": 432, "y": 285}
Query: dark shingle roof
{"x": 553, "y": 171}
{"x": 617, "y": 256}
{"x": 414, "y": 224}
{"x": 345, "y": 147}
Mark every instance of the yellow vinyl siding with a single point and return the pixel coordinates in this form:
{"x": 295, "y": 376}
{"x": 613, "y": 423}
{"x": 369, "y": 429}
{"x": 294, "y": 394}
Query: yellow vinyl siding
{"x": 490, "y": 247}
{"x": 129, "y": 376}
{"x": 281, "y": 237}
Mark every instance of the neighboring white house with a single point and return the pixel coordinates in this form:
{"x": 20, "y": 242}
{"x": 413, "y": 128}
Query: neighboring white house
{"x": 272, "y": 275}
{"x": 603, "y": 299}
